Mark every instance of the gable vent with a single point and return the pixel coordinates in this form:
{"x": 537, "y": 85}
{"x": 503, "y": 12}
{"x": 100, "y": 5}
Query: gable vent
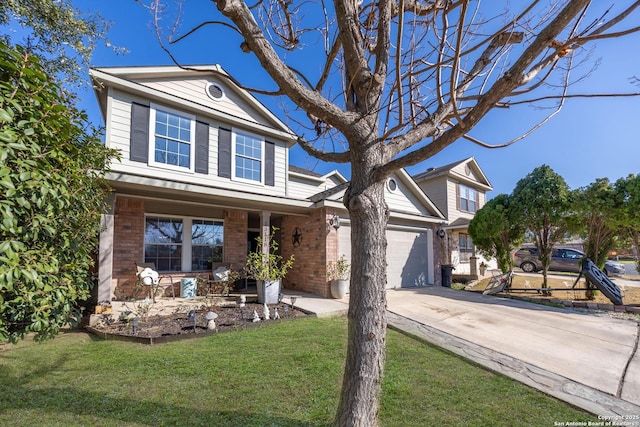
{"x": 214, "y": 91}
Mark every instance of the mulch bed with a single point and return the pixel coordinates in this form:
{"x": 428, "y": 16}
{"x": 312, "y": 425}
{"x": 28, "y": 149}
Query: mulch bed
{"x": 189, "y": 324}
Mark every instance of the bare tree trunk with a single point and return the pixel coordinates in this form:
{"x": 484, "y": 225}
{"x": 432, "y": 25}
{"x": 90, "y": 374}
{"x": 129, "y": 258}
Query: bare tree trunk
{"x": 367, "y": 308}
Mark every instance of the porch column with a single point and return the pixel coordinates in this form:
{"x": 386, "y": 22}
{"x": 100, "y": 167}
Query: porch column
{"x": 473, "y": 266}
{"x": 265, "y": 231}
{"x": 105, "y": 252}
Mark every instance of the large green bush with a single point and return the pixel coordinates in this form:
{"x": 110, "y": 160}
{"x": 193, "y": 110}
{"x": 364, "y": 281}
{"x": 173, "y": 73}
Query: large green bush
{"x": 51, "y": 168}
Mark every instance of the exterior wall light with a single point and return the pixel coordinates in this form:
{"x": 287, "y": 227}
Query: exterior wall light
{"x": 334, "y": 221}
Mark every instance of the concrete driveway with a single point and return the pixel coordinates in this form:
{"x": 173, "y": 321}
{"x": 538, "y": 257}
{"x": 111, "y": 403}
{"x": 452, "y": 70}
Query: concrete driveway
{"x": 590, "y": 361}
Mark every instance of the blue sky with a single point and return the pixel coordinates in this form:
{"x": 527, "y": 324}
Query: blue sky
{"x": 589, "y": 139}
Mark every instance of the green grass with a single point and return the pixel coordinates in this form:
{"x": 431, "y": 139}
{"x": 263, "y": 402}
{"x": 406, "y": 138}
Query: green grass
{"x": 287, "y": 374}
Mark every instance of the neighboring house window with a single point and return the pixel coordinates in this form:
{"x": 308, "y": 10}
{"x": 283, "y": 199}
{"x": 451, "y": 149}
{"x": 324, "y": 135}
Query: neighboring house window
{"x": 248, "y": 156}
{"x": 206, "y": 243}
{"x": 170, "y": 249}
{"x": 465, "y": 247}
{"x": 468, "y": 199}
{"x": 172, "y": 139}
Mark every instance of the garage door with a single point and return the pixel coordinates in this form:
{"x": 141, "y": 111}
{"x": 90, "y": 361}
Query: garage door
{"x": 408, "y": 256}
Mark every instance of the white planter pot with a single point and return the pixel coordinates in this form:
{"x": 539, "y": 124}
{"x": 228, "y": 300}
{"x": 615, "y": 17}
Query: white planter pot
{"x": 268, "y": 291}
{"x": 339, "y": 288}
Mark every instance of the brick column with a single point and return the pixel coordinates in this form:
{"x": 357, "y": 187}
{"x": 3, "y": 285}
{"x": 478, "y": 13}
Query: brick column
{"x": 309, "y": 272}
{"x": 236, "y": 228}
{"x": 128, "y": 242}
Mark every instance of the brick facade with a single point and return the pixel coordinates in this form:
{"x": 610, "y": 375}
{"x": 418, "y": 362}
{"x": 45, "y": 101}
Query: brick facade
{"x": 317, "y": 246}
{"x": 128, "y": 246}
{"x": 128, "y": 241}
{"x": 235, "y": 233}
{"x": 309, "y": 273}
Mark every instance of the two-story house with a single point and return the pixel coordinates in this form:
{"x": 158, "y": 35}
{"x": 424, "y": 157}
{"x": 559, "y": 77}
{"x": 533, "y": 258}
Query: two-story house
{"x": 458, "y": 190}
{"x": 205, "y": 169}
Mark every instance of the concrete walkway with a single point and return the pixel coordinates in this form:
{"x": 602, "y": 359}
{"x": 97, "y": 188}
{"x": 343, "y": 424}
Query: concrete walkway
{"x": 589, "y": 361}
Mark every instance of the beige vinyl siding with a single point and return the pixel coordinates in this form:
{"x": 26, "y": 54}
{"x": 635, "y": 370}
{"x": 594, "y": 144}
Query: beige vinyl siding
{"x": 120, "y": 125}
{"x": 482, "y": 197}
{"x": 460, "y": 169}
{"x": 302, "y": 188}
{"x": 119, "y": 138}
{"x": 402, "y": 200}
{"x": 436, "y": 190}
{"x": 452, "y": 202}
{"x": 194, "y": 89}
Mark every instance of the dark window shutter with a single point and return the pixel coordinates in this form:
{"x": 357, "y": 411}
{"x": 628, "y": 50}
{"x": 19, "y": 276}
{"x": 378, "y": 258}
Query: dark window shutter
{"x": 139, "y": 142}
{"x": 269, "y": 163}
{"x": 224, "y": 153}
{"x": 202, "y": 147}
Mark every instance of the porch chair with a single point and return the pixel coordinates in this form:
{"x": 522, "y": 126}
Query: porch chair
{"x": 154, "y": 287}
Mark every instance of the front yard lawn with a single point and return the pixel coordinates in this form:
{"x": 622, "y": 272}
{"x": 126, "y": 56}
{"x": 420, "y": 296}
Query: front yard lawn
{"x": 287, "y": 374}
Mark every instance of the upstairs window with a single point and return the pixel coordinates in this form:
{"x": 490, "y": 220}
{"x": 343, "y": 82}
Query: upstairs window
{"x": 468, "y": 199}
{"x": 248, "y": 157}
{"x": 172, "y": 139}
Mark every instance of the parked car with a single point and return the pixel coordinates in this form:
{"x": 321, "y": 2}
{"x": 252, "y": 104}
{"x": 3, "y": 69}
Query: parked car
{"x": 614, "y": 268}
{"x": 562, "y": 259}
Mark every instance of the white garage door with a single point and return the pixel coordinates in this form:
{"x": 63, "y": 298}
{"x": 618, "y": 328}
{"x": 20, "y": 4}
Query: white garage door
{"x": 407, "y": 259}
{"x": 408, "y": 256}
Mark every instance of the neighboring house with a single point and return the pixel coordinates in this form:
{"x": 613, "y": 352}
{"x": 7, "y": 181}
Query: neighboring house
{"x": 458, "y": 190}
{"x": 204, "y": 170}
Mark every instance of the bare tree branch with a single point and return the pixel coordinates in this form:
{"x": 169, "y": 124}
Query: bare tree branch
{"x": 507, "y": 104}
{"x": 306, "y": 99}
{"x": 200, "y": 26}
{"x": 513, "y": 78}
{"x": 310, "y": 149}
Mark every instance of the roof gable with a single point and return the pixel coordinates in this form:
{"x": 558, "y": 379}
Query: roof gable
{"x": 467, "y": 171}
{"x": 406, "y": 198}
{"x": 188, "y": 88}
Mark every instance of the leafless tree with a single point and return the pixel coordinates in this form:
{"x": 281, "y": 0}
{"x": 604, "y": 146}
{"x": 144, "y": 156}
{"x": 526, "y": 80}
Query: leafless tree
{"x": 394, "y": 82}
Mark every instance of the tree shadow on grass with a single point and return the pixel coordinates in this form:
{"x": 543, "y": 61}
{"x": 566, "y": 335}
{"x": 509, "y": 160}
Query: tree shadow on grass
{"x": 66, "y": 404}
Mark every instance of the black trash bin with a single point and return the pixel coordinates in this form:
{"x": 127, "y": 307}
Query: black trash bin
{"x": 447, "y": 272}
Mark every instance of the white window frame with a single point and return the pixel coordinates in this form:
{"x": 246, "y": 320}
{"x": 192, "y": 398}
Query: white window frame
{"x": 189, "y": 261}
{"x": 219, "y": 86}
{"x": 464, "y": 195}
{"x": 152, "y": 138}
{"x": 235, "y": 133}
{"x": 464, "y": 254}
{"x": 187, "y": 247}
